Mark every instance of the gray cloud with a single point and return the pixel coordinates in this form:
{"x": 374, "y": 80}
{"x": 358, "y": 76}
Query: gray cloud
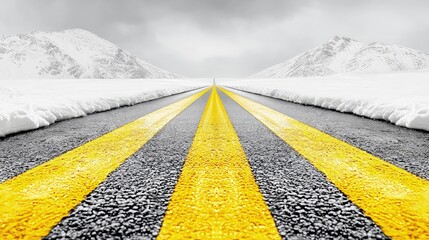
{"x": 231, "y": 38}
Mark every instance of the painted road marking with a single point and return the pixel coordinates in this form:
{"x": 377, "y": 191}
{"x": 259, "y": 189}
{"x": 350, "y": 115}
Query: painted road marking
{"x": 35, "y": 201}
{"x": 395, "y": 199}
{"x": 216, "y": 196}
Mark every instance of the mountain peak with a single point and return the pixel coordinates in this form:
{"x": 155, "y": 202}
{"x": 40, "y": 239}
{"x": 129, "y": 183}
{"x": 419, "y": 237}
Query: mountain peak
{"x": 343, "y": 54}
{"x": 343, "y": 39}
{"x": 72, "y": 53}
{"x": 77, "y": 30}
{"x": 341, "y": 42}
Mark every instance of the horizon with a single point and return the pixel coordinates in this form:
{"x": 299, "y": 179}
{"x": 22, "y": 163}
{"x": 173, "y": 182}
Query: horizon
{"x": 224, "y": 39}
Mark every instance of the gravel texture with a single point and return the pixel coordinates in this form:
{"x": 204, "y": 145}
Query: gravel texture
{"x": 304, "y": 204}
{"x": 23, "y": 151}
{"x": 403, "y": 147}
{"x": 132, "y": 202}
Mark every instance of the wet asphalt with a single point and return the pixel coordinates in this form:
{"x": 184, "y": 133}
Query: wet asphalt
{"x": 132, "y": 201}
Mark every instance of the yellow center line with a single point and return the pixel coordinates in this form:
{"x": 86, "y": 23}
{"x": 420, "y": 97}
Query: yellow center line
{"x": 395, "y": 199}
{"x": 216, "y": 196}
{"x": 35, "y": 201}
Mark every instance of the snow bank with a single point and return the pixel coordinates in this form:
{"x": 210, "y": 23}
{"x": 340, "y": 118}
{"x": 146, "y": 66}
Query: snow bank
{"x": 31, "y": 104}
{"x": 400, "y": 98}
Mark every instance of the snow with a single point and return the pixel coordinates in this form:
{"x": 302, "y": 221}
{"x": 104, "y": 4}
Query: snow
{"x": 73, "y": 53}
{"x": 345, "y": 55}
{"x": 34, "y": 103}
{"x": 400, "y": 98}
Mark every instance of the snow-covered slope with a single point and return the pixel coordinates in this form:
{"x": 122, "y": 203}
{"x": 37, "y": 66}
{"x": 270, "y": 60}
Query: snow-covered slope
{"x": 27, "y": 104}
{"x": 342, "y": 55}
{"x": 72, "y": 53}
{"x": 400, "y": 98}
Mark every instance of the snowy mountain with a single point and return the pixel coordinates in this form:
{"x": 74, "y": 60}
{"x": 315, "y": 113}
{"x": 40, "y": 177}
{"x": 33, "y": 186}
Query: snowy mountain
{"x": 341, "y": 55}
{"x": 72, "y": 53}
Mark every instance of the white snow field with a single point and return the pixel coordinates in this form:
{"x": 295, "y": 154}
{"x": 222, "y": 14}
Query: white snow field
{"x": 400, "y": 98}
{"x": 35, "y": 103}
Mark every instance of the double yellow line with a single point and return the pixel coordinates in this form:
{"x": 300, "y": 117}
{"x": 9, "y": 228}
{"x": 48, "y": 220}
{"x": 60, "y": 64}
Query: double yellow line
{"x": 216, "y": 195}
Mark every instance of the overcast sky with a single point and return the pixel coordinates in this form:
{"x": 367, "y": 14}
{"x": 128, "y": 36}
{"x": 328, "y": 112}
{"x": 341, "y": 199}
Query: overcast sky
{"x": 220, "y": 38}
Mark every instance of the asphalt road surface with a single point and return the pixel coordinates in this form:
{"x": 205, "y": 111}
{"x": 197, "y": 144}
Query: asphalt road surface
{"x": 132, "y": 201}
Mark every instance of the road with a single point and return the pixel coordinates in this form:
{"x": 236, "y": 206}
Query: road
{"x": 216, "y": 166}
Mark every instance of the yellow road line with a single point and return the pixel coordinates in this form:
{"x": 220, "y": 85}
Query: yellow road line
{"x": 216, "y": 196}
{"x": 395, "y": 199}
{"x": 35, "y": 201}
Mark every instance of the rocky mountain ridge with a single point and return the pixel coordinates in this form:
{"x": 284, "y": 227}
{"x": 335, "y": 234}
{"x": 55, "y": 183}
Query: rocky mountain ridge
{"x": 73, "y": 53}
{"x": 344, "y": 55}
